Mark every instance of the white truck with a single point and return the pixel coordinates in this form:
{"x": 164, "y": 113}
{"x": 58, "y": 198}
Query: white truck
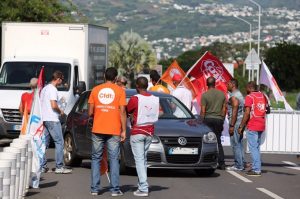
{"x": 80, "y": 51}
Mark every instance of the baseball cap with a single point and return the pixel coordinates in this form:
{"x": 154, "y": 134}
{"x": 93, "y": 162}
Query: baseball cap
{"x": 176, "y": 77}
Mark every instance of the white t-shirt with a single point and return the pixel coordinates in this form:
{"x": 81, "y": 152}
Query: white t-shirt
{"x": 184, "y": 95}
{"x": 48, "y": 93}
{"x": 196, "y": 107}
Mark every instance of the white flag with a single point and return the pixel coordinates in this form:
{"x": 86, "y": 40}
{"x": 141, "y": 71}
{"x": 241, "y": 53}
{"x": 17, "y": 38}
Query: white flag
{"x": 35, "y": 129}
{"x": 267, "y": 79}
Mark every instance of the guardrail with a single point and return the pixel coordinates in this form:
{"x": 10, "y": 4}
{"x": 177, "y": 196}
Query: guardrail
{"x": 282, "y": 133}
{"x": 15, "y": 168}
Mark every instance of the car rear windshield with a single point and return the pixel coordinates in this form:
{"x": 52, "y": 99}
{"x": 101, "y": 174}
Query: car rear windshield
{"x": 17, "y": 75}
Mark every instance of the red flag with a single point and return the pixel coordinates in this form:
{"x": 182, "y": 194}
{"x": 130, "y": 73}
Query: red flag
{"x": 103, "y": 163}
{"x": 210, "y": 65}
{"x": 222, "y": 87}
{"x": 200, "y": 86}
{"x": 41, "y": 80}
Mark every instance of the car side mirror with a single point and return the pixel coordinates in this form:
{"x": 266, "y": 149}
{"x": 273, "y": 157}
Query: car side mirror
{"x": 80, "y": 88}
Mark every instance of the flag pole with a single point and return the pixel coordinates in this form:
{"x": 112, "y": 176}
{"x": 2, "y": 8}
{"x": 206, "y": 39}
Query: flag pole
{"x": 107, "y": 177}
{"x": 186, "y": 74}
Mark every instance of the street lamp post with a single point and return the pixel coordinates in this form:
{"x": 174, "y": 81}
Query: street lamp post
{"x": 258, "y": 37}
{"x": 250, "y": 31}
{"x": 250, "y": 40}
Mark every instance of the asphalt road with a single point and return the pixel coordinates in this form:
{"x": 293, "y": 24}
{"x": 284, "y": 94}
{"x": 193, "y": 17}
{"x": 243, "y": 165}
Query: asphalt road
{"x": 280, "y": 179}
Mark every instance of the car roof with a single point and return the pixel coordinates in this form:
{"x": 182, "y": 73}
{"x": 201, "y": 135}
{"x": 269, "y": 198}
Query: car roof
{"x": 131, "y": 92}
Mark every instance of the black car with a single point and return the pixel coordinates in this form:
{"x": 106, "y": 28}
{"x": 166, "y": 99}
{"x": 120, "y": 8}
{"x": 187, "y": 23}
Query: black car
{"x": 180, "y": 141}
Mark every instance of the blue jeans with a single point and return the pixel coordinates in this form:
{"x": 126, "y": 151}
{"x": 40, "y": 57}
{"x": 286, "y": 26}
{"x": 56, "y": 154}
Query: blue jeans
{"x": 140, "y": 145}
{"x": 54, "y": 129}
{"x": 254, "y": 139}
{"x": 113, "y": 149}
{"x": 236, "y": 142}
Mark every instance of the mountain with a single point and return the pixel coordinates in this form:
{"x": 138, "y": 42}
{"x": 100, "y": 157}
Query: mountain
{"x": 178, "y": 25}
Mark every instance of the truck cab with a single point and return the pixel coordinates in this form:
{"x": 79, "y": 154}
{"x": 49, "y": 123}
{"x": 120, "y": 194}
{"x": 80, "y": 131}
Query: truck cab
{"x": 14, "y": 80}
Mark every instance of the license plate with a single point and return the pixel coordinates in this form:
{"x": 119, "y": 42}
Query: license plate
{"x": 17, "y": 127}
{"x": 183, "y": 151}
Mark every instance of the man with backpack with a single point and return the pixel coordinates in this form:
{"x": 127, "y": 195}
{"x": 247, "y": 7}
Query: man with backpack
{"x": 254, "y": 119}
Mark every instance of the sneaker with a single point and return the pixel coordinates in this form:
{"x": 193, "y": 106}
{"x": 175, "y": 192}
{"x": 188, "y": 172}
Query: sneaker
{"x": 117, "y": 193}
{"x": 233, "y": 168}
{"x": 45, "y": 169}
{"x": 140, "y": 193}
{"x": 253, "y": 173}
{"x": 94, "y": 193}
{"x": 63, "y": 170}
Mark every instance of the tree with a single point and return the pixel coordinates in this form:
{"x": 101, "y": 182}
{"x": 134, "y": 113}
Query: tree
{"x": 38, "y": 11}
{"x": 131, "y": 54}
{"x": 284, "y": 63}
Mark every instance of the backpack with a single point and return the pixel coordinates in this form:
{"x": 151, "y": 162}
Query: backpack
{"x": 260, "y": 106}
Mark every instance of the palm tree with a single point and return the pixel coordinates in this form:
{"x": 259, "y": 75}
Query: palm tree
{"x": 131, "y": 54}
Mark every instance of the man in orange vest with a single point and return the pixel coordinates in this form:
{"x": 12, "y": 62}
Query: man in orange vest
{"x": 254, "y": 119}
{"x": 107, "y": 106}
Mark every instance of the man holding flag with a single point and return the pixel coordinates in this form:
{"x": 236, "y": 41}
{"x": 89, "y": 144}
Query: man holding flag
{"x": 34, "y": 129}
{"x": 181, "y": 93}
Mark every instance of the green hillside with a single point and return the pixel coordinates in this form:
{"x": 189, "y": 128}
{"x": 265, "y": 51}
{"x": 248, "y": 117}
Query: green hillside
{"x": 159, "y": 19}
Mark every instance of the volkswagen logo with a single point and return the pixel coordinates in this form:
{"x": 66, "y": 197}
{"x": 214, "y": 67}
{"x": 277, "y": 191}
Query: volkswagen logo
{"x": 182, "y": 141}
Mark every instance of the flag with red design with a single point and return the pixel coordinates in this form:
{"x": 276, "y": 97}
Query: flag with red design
{"x": 267, "y": 79}
{"x": 210, "y": 66}
{"x": 103, "y": 163}
{"x": 41, "y": 80}
{"x": 200, "y": 86}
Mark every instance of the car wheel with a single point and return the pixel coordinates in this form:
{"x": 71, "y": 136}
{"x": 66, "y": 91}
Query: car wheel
{"x": 70, "y": 158}
{"x": 204, "y": 172}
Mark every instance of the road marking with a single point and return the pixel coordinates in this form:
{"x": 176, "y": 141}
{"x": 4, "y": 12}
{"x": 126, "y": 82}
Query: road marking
{"x": 294, "y": 166}
{"x": 239, "y": 176}
{"x": 269, "y": 193}
{"x": 290, "y": 163}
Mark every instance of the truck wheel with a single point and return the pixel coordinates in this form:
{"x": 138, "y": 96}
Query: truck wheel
{"x": 70, "y": 158}
{"x": 204, "y": 172}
